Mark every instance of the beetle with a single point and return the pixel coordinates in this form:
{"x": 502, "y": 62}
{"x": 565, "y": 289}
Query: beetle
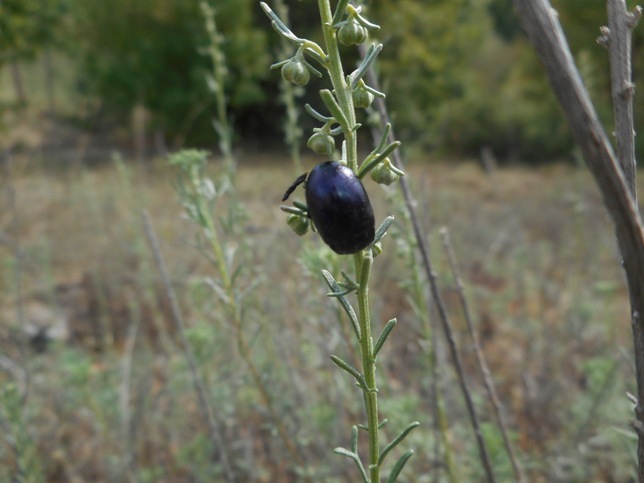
{"x": 338, "y": 205}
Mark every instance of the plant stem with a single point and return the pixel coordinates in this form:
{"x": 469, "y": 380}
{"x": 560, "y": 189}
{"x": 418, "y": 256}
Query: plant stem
{"x": 364, "y": 259}
{"x": 480, "y": 358}
{"x": 544, "y": 31}
{"x": 368, "y": 363}
{"x": 342, "y": 90}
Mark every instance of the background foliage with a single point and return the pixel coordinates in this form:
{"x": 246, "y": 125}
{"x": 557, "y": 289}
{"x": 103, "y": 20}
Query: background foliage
{"x": 459, "y": 74}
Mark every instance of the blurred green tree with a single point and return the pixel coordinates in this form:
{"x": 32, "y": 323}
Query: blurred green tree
{"x": 145, "y": 53}
{"x": 26, "y": 26}
{"x": 461, "y": 77}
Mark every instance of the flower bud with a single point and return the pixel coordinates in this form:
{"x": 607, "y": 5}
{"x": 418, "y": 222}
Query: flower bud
{"x": 384, "y": 174}
{"x": 299, "y": 224}
{"x": 296, "y": 72}
{"x": 362, "y": 98}
{"x": 321, "y": 142}
{"x": 352, "y": 33}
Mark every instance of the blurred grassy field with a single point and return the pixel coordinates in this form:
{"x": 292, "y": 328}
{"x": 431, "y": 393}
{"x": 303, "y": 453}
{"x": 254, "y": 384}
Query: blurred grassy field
{"x": 114, "y": 401}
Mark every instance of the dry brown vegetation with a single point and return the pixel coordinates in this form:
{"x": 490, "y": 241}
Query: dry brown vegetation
{"x": 110, "y": 399}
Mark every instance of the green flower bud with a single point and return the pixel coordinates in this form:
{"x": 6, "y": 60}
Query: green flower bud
{"x": 296, "y": 72}
{"x": 299, "y": 224}
{"x": 322, "y": 142}
{"x": 352, "y": 33}
{"x": 383, "y": 174}
{"x": 362, "y": 98}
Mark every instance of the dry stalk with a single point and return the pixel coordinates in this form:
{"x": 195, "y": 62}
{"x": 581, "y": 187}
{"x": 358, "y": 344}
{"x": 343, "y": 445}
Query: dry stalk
{"x": 433, "y": 283}
{"x": 480, "y": 358}
{"x": 614, "y": 174}
{"x": 208, "y": 414}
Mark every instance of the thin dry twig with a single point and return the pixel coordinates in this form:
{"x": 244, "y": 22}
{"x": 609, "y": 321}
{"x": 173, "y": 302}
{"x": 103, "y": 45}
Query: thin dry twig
{"x": 126, "y": 415}
{"x": 614, "y": 176}
{"x": 619, "y": 38}
{"x": 480, "y": 358}
{"x": 208, "y": 414}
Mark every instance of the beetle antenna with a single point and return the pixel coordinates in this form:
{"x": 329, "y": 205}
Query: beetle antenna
{"x": 300, "y": 179}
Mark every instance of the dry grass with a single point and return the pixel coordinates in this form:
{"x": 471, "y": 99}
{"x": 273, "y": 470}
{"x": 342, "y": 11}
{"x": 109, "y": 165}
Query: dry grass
{"x": 536, "y": 251}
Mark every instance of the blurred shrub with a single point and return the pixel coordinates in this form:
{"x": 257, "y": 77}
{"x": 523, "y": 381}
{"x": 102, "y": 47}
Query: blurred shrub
{"x": 146, "y": 52}
{"x": 459, "y": 74}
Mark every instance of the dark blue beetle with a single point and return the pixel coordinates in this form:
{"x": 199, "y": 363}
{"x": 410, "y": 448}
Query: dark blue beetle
{"x": 339, "y": 207}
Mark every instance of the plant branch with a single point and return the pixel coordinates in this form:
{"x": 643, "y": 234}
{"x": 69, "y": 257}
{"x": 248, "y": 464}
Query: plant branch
{"x": 480, "y": 358}
{"x": 542, "y": 27}
{"x": 619, "y": 42}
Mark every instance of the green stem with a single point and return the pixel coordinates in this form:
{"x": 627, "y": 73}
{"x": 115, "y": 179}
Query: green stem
{"x": 363, "y": 259}
{"x": 340, "y": 86}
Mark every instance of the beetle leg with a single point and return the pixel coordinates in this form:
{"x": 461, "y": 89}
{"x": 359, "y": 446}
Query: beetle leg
{"x": 300, "y": 179}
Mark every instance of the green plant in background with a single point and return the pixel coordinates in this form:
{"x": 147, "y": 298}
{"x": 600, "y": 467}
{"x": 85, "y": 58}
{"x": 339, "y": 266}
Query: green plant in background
{"x": 289, "y": 93}
{"x": 216, "y": 83}
{"x": 348, "y": 26}
{"x": 18, "y": 454}
{"x": 219, "y": 245}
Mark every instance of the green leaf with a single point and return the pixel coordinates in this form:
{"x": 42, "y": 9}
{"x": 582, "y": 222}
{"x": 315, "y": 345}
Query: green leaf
{"x": 353, "y": 456}
{"x": 354, "y": 439}
{"x": 383, "y": 336}
{"x": 370, "y": 162}
{"x": 399, "y": 466}
{"x": 339, "y": 11}
{"x": 382, "y": 229}
{"x": 295, "y": 211}
{"x": 278, "y": 25}
{"x": 334, "y": 108}
{"x": 351, "y": 370}
{"x": 367, "y": 61}
{"x": 335, "y": 288}
{"x": 316, "y": 115}
{"x": 396, "y": 441}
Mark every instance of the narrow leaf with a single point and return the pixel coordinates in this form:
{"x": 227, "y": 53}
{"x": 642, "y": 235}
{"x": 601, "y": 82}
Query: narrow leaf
{"x": 383, "y": 138}
{"x": 397, "y": 440}
{"x": 400, "y": 464}
{"x": 334, "y": 108}
{"x": 342, "y": 293}
{"x": 366, "y": 63}
{"x": 383, "y": 336}
{"x": 354, "y": 439}
{"x": 316, "y": 115}
{"x": 278, "y": 25}
{"x": 279, "y": 64}
{"x": 356, "y": 458}
{"x": 290, "y": 209}
{"x": 218, "y": 290}
{"x": 339, "y": 11}
{"x": 301, "y": 205}
{"x": 351, "y": 370}
{"x": 382, "y": 229}
{"x": 375, "y": 92}
{"x": 333, "y": 285}
{"x": 368, "y": 165}
{"x": 366, "y": 23}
